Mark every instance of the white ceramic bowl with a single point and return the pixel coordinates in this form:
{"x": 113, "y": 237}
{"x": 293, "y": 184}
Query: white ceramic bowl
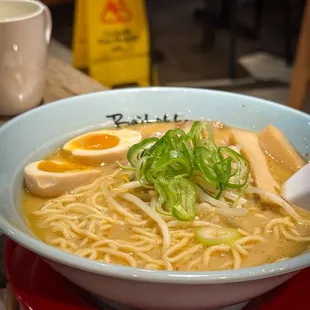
{"x": 33, "y": 134}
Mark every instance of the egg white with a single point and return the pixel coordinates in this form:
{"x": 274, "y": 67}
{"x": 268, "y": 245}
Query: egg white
{"x": 127, "y": 138}
{"x": 43, "y": 183}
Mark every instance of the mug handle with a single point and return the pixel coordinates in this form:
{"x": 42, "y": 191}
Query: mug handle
{"x": 49, "y": 23}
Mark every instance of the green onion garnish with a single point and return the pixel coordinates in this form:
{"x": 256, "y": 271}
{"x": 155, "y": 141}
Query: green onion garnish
{"x": 215, "y": 236}
{"x": 240, "y": 168}
{"x": 137, "y": 150}
{"x": 176, "y": 162}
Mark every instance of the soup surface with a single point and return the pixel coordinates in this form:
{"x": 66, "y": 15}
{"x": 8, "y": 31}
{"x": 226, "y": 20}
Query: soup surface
{"x": 205, "y": 198}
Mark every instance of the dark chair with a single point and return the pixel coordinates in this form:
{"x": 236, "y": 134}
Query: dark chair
{"x": 226, "y": 18}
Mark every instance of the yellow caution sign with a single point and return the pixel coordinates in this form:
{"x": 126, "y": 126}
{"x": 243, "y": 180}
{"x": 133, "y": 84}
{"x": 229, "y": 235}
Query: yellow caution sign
{"x": 80, "y": 44}
{"x": 115, "y": 46}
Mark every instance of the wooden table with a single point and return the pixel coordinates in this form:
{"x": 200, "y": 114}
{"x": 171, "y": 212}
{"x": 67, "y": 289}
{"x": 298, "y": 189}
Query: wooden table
{"x": 63, "y": 81}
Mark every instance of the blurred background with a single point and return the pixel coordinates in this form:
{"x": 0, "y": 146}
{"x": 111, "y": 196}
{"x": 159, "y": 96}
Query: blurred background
{"x": 245, "y": 46}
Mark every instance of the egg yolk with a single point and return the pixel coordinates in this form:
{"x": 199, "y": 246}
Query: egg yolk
{"x": 95, "y": 142}
{"x": 50, "y": 166}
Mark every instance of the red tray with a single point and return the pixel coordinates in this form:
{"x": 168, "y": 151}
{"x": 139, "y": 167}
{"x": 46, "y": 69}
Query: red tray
{"x": 37, "y": 286}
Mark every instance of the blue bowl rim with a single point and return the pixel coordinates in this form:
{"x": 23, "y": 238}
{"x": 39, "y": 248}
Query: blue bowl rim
{"x": 128, "y": 273}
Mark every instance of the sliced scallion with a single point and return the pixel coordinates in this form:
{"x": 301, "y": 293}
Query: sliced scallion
{"x": 136, "y": 151}
{"x": 211, "y": 236}
{"x": 124, "y": 167}
{"x": 183, "y": 207}
{"x": 204, "y": 161}
{"x": 240, "y": 167}
{"x": 171, "y": 164}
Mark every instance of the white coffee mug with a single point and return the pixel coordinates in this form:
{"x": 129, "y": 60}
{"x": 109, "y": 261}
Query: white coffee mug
{"x": 25, "y": 31}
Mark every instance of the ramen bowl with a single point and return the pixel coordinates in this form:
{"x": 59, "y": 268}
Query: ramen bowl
{"x": 32, "y": 135}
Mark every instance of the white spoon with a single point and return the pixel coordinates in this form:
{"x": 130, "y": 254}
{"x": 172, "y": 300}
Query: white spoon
{"x": 297, "y": 188}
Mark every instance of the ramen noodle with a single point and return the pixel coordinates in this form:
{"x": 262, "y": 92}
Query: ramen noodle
{"x": 169, "y": 196}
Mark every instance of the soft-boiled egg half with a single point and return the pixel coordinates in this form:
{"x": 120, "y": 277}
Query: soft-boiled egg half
{"x": 102, "y": 146}
{"x": 53, "y": 178}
